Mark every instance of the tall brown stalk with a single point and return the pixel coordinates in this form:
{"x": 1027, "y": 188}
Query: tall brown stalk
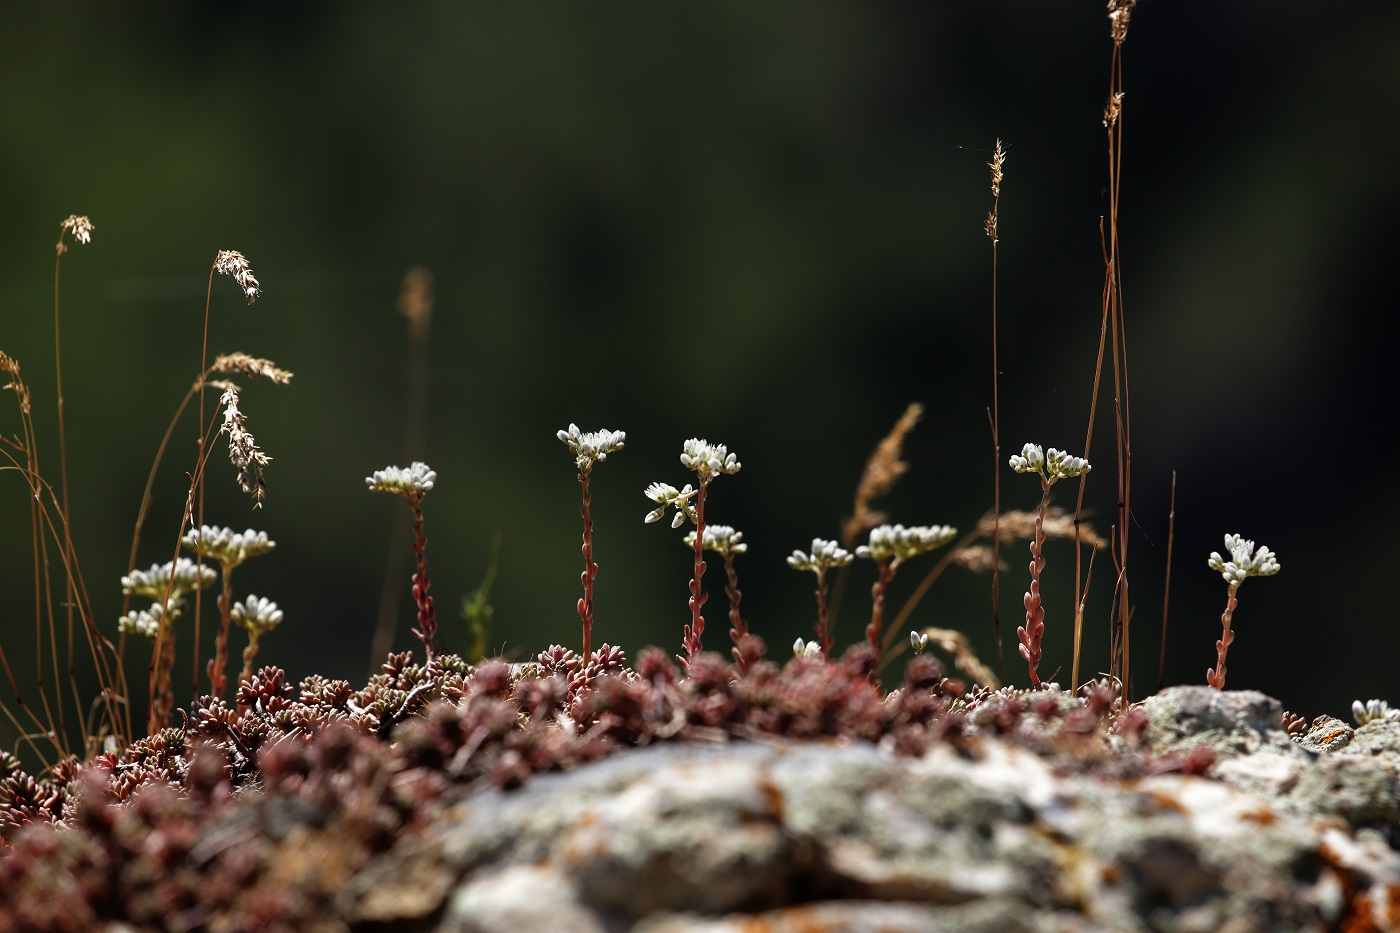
{"x": 1113, "y": 325}
{"x": 998, "y": 160}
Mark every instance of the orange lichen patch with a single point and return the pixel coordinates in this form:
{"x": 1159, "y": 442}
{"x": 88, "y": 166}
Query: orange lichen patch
{"x": 1365, "y": 913}
{"x": 1262, "y": 816}
{"x": 1165, "y": 801}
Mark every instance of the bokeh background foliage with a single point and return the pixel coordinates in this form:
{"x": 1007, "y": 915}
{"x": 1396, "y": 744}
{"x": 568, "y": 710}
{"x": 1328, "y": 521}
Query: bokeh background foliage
{"x": 759, "y": 224}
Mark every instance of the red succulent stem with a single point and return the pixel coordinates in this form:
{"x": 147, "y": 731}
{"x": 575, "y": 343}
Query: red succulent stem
{"x": 590, "y": 571}
{"x": 218, "y": 681}
{"x": 1216, "y": 678}
{"x": 824, "y": 636}
{"x": 698, "y": 598}
{"x": 1033, "y": 631}
{"x": 427, "y": 621}
{"x": 738, "y": 628}
{"x": 877, "y": 612}
{"x": 249, "y": 653}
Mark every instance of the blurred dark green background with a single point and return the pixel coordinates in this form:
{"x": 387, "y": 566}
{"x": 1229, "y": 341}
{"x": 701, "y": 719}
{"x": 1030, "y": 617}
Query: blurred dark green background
{"x": 760, "y": 224}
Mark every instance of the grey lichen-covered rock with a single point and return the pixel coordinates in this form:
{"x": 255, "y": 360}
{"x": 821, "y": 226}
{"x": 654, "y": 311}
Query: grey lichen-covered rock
{"x": 1229, "y": 722}
{"x": 982, "y": 834}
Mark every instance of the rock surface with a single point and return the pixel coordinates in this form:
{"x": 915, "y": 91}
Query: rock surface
{"x": 981, "y": 835}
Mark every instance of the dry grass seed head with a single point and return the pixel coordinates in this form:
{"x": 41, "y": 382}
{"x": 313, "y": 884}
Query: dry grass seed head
{"x": 243, "y": 449}
{"x": 416, "y": 298}
{"x": 1057, "y": 524}
{"x": 232, "y": 262}
{"x": 243, "y": 364}
{"x": 882, "y": 470}
{"x": 81, "y": 228}
{"x": 1119, "y": 13}
{"x": 9, "y": 364}
{"x": 957, "y": 647}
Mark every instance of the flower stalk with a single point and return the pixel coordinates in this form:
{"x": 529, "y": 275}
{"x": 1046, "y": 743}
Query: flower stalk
{"x": 1244, "y": 562}
{"x": 588, "y": 449}
{"x": 412, "y": 484}
{"x": 1050, "y": 467}
{"x": 707, "y": 460}
{"x": 825, "y": 556}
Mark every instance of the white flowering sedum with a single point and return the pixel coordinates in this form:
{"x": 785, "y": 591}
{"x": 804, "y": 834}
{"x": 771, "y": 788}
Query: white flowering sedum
{"x": 591, "y": 447}
{"x": 667, "y": 496}
{"x": 152, "y": 583}
{"x": 146, "y": 622}
{"x": 1244, "y": 561}
{"x": 257, "y": 614}
{"x": 1055, "y": 465}
{"x": 412, "y": 483}
{"x": 708, "y": 459}
{"x": 825, "y": 555}
{"x": 900, "y": 543}
{"x": 1373, "y": 711}
{"x": 722, "y": 539}
{"x": 227, "y": 546}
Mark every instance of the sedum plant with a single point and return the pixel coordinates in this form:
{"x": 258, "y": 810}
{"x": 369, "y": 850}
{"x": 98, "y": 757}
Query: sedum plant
{"x": 1050, "y": 467}
{"x": 412, "y": 484}
{"x": 1244, "y": 562}
{"x": 259, "y": 616}
{"x": 229, "y": 549}
{"x": 825, "y": 556}
{"x": 889, "y": 546}
{"x": 708, "y": 461}
{"x": 165, "y": 585}
{"x": 728, "y": 543}
{"x": 589, "y": 449}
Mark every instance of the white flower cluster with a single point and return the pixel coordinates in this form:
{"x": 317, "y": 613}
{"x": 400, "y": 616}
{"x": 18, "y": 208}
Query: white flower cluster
{"x": 1373, "y": 711}
{"x": 666, "y": 496}
{"x": 146, "y": 622}
{"x": 232, "y": 262}
{"x": 825, "y": 555}
{"x": 227, "y": 546}
{"x": 1057, "y": 464}
{"x": 707, "y": 459}
{"x": 591, "y": 447}
{"x": 806, "y": 649}
{"x": 722, "y": 539}
{"x": 1244, "y": 561}
{"x": 152, "y": 583}
{"x": 411, "y": 483}
{"x": 900, "y": 543}
{"x": 257, "y": 614}
{"x": 919, "y": 642}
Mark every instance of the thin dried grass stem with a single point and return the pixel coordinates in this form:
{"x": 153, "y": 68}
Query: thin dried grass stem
{"x": 993, "y": 233}
{"x": 1167, "y": 586}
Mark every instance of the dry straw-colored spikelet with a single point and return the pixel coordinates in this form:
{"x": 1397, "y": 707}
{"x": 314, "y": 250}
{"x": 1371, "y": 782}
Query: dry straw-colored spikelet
{"x": 956, "y": 646}
{"x": 1057, "y": 523}
{"x": 8, "y": 364}
{"x": 1119, "y": 14}
{"x": 232, "y": 262}
{"x": 882, "y": 470}
{"x": 79, "y": 226}
{"x": 243, "y": 364}
{"x": 242, "y": 447}
{"x": 998, "y": 159}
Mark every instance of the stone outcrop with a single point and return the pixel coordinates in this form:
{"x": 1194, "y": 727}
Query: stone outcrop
{"x": 985, "y": 834}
